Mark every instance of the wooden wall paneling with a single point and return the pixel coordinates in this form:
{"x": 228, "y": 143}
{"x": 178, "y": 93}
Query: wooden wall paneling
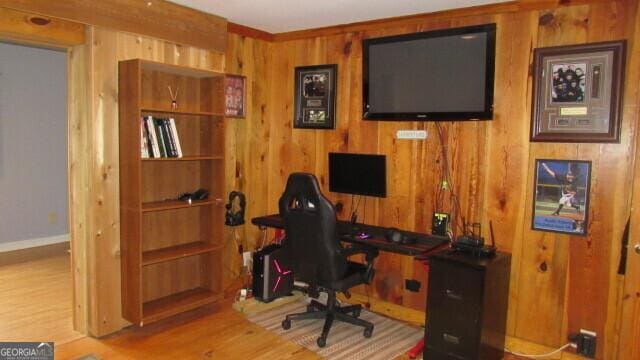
{"x": 234, "y": 174}
{"x": 544, "y": 265}
{"x": 628, "y": 305}
{"x": 17, "y": 26}
{"x": 250, "y": 57}
{"x": 160, "y": 19}
{"x": 248, "y": 139}
{"x": 492, "y": 161}
{"x": 255, "y": 154}
{"x": 281, "y": 115}
{"x": 593, "y": 263}
{"x": 79, "y": 185}
{"x": 105, "y": 184}
{"x": 507, "y": 167}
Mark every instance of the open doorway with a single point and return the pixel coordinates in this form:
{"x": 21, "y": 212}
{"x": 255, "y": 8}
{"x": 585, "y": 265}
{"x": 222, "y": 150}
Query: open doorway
{"x": 36, "y": 289}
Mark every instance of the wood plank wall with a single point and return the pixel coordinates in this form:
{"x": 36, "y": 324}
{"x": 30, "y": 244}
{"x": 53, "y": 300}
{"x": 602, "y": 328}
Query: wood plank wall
{"x": 559, "y": 283}
{"x": 97, "y": 136}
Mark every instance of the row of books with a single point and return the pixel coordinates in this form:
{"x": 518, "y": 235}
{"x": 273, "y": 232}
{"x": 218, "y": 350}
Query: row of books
{"x": 159, "y": 138}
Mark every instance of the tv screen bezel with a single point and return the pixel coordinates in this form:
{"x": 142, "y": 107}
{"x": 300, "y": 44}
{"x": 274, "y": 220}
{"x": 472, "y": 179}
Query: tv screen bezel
{"x": 382, "y": 194}
{"x": 486, "y": 114}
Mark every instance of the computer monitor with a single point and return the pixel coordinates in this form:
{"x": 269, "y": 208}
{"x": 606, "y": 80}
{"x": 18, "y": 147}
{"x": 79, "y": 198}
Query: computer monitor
{"x": 358, "y": 174}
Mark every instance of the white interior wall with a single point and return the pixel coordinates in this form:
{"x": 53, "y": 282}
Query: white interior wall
{"x": 33, "y": 146}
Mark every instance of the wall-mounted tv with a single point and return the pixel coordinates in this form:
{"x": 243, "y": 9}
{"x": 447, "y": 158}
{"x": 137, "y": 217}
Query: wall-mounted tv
{"x": 436, "y": 75}
{"x": 358, "y": 174}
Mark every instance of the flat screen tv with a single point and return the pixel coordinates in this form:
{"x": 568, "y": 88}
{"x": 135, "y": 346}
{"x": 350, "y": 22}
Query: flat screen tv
{"x": 436, "y": 75}
{"x": 358, "y": 174}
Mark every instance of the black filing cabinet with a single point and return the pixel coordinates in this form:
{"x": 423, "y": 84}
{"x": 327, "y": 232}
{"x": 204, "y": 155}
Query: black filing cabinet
{"x": 467, "y": 306}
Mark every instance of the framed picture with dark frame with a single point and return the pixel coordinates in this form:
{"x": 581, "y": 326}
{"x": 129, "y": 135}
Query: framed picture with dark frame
{"x": 315, "y": 97}
{"x": 577, "y": 93}
{"x": 234, "y": 96}
{"x": 561, "y": 196}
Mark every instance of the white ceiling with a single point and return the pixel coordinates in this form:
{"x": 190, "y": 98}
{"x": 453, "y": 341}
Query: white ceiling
{"x": 276, "y": 16}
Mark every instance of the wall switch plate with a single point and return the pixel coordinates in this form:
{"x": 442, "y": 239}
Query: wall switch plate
{"x": 246, "y": 258}
{"x": 411, "y": 134}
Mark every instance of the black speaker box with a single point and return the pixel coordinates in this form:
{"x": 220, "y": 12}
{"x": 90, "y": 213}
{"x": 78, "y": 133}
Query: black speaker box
{"x": 272, "y": 273}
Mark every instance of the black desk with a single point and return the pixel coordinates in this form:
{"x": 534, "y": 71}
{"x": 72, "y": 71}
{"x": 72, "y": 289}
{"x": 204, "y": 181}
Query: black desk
{"x": 424, "y": 242}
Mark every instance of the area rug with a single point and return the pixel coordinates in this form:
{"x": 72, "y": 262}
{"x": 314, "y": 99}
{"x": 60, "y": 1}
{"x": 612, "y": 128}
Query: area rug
{"x": 390, "y": 338}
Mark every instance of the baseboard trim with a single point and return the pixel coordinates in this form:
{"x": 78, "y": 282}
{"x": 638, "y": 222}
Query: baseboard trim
{"x": 31, "y": 243}
{"x": 56, "y": 248}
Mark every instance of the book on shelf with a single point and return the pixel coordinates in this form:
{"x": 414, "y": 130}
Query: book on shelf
{"x": 161, "y": 141}
{"x": 159, "y": 138}
{"x": 144, "y": 143}
{"x": 174, "y": 131}
{"x": 170, "y": 142}
{"x": 152, "y": 137}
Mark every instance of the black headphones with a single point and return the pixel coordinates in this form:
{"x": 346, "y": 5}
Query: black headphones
{"x": 235, "y": 218}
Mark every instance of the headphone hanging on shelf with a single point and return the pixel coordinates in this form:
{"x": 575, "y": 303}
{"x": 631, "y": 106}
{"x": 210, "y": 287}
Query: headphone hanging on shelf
{"x": 231, "y": 217}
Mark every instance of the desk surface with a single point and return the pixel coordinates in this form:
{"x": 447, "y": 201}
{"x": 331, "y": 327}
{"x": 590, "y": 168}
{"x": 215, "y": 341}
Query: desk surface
{"x": 423, "y": 242}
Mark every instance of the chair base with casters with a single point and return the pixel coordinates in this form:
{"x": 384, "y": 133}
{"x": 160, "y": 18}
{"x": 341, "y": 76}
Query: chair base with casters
{"x": 330, "y": 312}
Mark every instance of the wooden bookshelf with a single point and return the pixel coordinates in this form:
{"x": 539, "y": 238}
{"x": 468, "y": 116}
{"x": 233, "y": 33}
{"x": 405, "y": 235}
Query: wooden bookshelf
{"x": 171, "y": 249}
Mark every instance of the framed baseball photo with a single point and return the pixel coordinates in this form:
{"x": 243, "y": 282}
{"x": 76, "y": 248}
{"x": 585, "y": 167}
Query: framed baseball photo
{"x": 234, "y": 96}
{"x": 561, "y": 196}
{"x": 577, "y": 93}
{"x": 315, "y": 97}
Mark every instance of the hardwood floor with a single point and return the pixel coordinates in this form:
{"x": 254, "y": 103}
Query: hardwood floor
{"x": 35, "y": 301}
{"x": 35, "y": 305}
{"x": 214, "y": 332}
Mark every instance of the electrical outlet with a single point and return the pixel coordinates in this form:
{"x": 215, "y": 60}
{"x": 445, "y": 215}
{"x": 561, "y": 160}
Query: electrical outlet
{"x": 585, "y": 342}
{"x": 412, "y": 285}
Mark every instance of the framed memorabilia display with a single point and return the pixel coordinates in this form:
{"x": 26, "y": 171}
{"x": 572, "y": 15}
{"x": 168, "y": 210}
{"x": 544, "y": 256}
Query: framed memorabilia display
{"x": 234, "y": 96}
{"x": 315, "y": 97}
{"x": 577, "y": 93}
{"x": 561, "y": 196}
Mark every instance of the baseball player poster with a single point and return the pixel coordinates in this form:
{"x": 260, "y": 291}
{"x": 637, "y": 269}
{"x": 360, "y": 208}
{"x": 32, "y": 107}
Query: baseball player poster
{"x": 561, "y": 201}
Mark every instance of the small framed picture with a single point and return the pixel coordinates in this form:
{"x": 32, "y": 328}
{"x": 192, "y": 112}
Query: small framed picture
{"x": 315, "y": 97}
{"x": 561, "y": 196}
{"x": 234, "y": 96}
{"x": 577, "y": 93}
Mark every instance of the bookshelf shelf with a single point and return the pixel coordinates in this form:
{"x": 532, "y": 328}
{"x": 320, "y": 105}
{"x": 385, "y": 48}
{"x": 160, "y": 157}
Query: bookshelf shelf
{"x": 177, "y": 303}
{"x": 174, "y": 204}
{"x": 171, "y": 249}
{"x": 187, "y": 158}
{"x": 180, "y": 112}
{"x": 177, "y": 252}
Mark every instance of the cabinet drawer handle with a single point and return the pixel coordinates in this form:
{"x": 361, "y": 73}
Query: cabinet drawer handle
{"x": 451, "y": 339}
{"x": 453, "y": 295}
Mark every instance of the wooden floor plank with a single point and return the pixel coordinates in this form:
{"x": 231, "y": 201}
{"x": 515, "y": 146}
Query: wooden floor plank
{"x": 35, "y": 301}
